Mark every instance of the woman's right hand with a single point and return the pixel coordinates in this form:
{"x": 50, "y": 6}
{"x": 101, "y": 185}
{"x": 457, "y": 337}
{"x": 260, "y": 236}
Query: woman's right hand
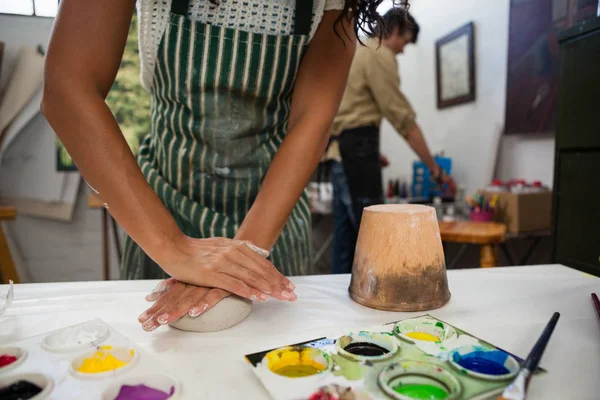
{"x": 226, "y": 264}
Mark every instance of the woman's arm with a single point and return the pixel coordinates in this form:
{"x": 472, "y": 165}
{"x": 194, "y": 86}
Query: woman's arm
{"x": 317, "y": 94}
{"x": 83, "y": 58}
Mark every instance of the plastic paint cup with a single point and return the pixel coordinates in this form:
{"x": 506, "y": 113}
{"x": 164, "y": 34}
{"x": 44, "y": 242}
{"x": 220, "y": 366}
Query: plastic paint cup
{"x": 424, "y": 329}
{"x": 416, "y": 380}
{"x": 126, "y": 355}
{"x": 297, "y": 362}
{"x": 75, "y": 338}
{"x": 370, "y": 346}
{"x": 41, "y": 380}
{"x": 482, "y": 363}
{"x": 18, "y": 352}
{"x": 162, "y": 382}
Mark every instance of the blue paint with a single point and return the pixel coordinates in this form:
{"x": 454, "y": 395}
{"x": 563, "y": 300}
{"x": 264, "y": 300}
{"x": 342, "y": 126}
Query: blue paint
{"x": 483, "y": 362}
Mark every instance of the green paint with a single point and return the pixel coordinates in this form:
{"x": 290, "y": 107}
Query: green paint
{"x": 442, "y": 348}
{"x": 463, "y": 371}
{"x": 346, "y": 368}
{"x": 421, "y": 392}
{"x": 439, "y": 325}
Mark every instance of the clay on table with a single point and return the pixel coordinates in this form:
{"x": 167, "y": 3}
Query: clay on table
{"x": 227, "y": 313}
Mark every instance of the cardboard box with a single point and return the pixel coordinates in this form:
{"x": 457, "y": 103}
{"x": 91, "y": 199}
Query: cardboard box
{"x": 523, "y": 212}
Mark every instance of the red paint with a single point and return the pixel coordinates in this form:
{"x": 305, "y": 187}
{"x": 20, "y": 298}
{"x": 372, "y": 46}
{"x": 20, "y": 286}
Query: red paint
{"x": 7, "y": 360}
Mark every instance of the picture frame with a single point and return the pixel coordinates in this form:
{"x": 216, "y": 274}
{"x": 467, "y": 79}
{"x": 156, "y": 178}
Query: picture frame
{"x": 455, "y": 67}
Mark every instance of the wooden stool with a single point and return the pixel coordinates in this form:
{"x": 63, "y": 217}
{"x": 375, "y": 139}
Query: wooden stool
{"x": 485, "y": 234}
{"x": 95, "y": 203}
{"x": 7, "y": 266}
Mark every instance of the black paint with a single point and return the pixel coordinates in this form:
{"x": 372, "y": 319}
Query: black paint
{"x": 20, "y": 390}
{"x": 366, "y": 349}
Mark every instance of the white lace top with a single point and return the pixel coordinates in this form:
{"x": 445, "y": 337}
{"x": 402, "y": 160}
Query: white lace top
{"x": 258, "y": 16}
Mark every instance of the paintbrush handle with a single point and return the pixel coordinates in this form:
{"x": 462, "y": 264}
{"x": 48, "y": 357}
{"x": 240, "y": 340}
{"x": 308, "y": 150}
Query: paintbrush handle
{"x": 534, "y": 357}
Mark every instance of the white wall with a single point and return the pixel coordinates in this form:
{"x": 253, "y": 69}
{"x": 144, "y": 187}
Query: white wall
{"x": 52, "y": 250}
{"x": 470, "y": 133}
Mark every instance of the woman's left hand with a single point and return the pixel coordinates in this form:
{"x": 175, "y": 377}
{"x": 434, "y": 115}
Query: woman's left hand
{"x": 173, "y": 300}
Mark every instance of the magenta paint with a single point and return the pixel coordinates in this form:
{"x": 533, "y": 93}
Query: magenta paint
{"x": 142, "y": 392}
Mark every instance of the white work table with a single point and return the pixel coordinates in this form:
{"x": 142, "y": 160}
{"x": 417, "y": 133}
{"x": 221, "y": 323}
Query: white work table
{"x": 508, "y": 307}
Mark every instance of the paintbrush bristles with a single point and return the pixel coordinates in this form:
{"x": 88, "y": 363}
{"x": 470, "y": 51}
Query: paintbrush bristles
{"x": 399, "y": 259}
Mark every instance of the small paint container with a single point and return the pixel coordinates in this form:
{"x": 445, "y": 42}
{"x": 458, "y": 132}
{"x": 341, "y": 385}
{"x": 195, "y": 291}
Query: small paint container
{"x": 41, "y": 380}
{"x": 483, "y": 363}
{"x": 370, "y": 346}
{"x": 162, "y": 382}
{"x": 18, "y": 352}
{"x": 125, "y": 355}
{"x": 409, "y": 380}
{"x": 75, "y": 338}
{"x": 297, "y": 362}
{"x": 424, "y": 329}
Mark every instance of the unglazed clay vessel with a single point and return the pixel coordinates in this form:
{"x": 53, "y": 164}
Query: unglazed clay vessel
{"x": 227, "y": 313}
{"x": 399, "y": 260}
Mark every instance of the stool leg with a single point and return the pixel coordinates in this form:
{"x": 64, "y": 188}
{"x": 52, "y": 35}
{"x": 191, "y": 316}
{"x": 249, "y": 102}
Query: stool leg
{"x": 488, "y": 256}
{"x": 7, "y": 266}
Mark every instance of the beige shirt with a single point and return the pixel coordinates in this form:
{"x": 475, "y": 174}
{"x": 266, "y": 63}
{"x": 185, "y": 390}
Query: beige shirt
{"x": 372, "y": 93}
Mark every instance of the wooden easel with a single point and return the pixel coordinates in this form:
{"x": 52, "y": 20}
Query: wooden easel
{"x": 7, "y": 266}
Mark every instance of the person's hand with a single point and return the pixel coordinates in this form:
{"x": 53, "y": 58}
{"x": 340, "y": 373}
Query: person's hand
{"x": 448, "y": 180}
{"x": 225, "y": 264}
{"x": 173, "y": 300}
{"x": 384, "y": 160}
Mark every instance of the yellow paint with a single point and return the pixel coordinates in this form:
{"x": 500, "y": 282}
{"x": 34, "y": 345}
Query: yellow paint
{"x": 102, "y": 361}
{"x": 294, "y": 363}
{"x": 424, "y": 336}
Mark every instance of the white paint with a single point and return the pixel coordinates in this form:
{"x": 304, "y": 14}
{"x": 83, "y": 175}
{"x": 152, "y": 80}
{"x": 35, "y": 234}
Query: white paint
{"x": 470, "y": 133}
{"x": 76, "y": 337}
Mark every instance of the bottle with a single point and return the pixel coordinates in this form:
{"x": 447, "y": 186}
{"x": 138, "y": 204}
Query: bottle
{"x": 397, "y": 188}
{"x": 496, "y": 186}
{"x": 537, "y": 187}
{"x": 403, "y": 190}
{"x": 437, "y": 204}
{"x": 390, "y": 190}
{"x": 519, "y": 187}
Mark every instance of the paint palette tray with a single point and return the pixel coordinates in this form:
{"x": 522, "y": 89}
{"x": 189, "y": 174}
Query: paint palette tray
{"x": 416, "y": 358}
{"x": 65, "y": 364}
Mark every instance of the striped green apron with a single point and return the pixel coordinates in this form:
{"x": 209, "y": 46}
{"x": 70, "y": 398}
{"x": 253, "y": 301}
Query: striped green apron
{"x": 220, "y": 108}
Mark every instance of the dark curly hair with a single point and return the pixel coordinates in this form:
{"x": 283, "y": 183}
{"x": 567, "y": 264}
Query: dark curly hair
{"x": 366, "y": 18}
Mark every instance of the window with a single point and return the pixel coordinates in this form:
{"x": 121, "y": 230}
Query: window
{"x": 38, "y": 8}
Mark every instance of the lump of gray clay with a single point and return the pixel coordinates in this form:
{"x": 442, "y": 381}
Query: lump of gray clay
{"x": 228, "y": 312}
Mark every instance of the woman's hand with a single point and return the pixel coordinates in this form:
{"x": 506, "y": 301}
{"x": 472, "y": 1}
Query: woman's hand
{"x": 173, "y": 300}
{"x": 225, "y": 264}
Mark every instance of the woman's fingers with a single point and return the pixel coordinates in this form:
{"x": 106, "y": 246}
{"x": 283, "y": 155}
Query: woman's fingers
{"x": 148, "y": 318}
{"x": 173, "y": 310}
{"x": 268, "y": 271}
{"x": 236, "y": 286}
{"x": 162, "y": 287}
{"x": 209, "y": 301}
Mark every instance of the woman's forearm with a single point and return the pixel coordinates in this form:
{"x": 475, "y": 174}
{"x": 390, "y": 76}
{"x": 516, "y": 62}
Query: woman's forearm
{"x": 83, "y": 58}
{"x": 318, "y": 91}
{"x": 285, "y": 181}
{"x": 87, "y": 128}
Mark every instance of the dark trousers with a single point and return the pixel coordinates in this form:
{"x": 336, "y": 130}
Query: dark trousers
{"x": 345, "y": 230}
{"x": 357, "y": 183}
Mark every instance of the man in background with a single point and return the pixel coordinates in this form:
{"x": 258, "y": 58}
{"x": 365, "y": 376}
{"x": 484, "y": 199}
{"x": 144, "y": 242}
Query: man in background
{"x": 372, "y": 93}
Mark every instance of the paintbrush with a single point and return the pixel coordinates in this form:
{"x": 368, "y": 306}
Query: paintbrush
{"x": 517, "y": 390}
{"x": 596, "y": 303}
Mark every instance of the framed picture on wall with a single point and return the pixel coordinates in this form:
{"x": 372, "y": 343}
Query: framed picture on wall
{"x": 455, "y": 67}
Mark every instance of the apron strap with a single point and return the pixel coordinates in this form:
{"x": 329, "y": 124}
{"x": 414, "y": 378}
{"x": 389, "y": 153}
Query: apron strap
{"x": 180, "y": 7}
{"x": 303, "y": 17}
